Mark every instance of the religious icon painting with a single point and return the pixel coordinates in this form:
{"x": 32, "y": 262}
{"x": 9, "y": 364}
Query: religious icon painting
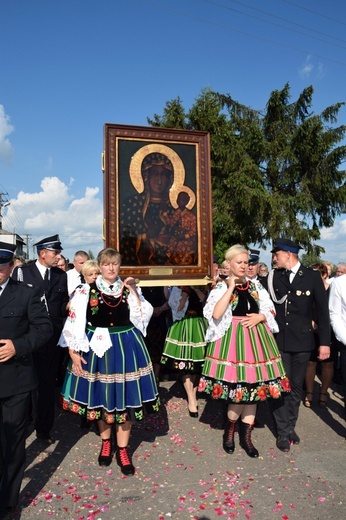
{"x": 157, "y": 202}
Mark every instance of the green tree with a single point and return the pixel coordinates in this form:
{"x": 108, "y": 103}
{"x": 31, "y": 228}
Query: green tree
{"x": 310, "y": 259}
{"x": 274, "y": 172}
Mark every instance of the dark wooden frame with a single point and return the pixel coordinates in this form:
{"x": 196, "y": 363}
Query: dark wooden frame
{"x": 189, "y": 149}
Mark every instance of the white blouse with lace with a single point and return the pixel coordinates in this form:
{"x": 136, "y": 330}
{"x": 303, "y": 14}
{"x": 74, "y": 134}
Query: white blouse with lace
{"x": 74, "y": 335}
{"x": 218, "y": 328}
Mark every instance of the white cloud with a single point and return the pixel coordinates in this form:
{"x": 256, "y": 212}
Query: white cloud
{"x": 321, "y": 71}
{"x": 306, "y": 69}
{"x": 333, "y": 239}
{"x": 49, "y": 164}
{"x": 54, "y": 209}
{"x": 336, "y": 232}
{"x": 6, "y": 129}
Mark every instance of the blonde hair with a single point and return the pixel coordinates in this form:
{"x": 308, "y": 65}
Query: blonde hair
{"x": 89, "y": 265}
{"x": 330, "y": 266}
{"x": 234, "y": 251}
{"x": 108, "y": 255}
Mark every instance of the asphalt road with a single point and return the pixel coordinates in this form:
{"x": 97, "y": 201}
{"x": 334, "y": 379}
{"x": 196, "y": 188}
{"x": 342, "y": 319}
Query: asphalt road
{"x": 182, "y": 471}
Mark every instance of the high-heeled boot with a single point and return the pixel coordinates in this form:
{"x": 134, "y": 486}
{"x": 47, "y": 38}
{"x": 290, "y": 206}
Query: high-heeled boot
{"x": 228, "y": 436}
{"x": 245, "y": 439}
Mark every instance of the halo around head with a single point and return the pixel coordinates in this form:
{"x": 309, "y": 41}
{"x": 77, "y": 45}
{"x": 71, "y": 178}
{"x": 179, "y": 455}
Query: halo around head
{"x": 178, "y": 167}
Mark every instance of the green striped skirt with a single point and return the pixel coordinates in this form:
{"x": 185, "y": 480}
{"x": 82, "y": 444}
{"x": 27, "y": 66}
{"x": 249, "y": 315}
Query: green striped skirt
{"x": 185, "y": 346}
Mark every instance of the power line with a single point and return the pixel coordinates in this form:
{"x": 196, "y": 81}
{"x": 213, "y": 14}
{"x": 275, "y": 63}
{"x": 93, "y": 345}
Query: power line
{"x": 278, "y": 18}
{"x": 228, "y": 28}
{"x": 314, "y": 12}
{"x": 13, "y": 220}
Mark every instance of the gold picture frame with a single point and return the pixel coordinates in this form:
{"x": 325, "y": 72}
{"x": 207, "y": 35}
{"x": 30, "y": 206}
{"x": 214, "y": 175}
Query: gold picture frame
{"x": 157, "y": 203}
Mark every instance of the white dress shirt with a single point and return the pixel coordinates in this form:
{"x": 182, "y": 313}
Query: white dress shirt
{"x": 2, "y": 287}
{"x": 337, "y": 307}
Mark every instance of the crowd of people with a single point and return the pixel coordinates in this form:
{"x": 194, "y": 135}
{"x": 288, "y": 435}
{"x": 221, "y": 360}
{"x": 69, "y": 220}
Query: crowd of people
{"x": 253, "y": 334}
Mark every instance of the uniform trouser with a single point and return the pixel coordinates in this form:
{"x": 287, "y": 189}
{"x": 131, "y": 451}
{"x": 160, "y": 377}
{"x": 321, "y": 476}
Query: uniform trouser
{"x": 285, "y": 412}
{"x": 13, "y": 429}
{"x": 46, "y": 363}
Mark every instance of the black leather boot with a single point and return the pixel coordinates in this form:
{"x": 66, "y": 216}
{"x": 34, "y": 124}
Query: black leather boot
{"x": 105, "y": 457}
{"x": 124, "y": 461}
{"x": 245, "y": 439}
{"x": 228, "y": 436}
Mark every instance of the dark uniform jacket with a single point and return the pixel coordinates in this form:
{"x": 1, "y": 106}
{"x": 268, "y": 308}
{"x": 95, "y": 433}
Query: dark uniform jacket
{"x": 24, "y": 320}
{"x": 305, "y": 295}
{"x": 56, "y": 297}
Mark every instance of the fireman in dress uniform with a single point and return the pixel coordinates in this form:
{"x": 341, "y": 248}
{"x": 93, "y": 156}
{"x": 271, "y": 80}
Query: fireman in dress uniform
{"x": 295, "y": 290}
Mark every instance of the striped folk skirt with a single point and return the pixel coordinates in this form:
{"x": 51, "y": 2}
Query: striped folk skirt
{"x": 185, "y": 346}
{"x": 116, "y": 388}
{"x": 244, "y": 366}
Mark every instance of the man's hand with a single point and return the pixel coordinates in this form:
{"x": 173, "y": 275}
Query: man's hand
{"x": 323, "y": 352}
{"x": 7, "y": 350}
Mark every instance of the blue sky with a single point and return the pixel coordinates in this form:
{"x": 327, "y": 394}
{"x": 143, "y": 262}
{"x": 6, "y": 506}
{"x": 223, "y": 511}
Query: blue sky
{"x": 67, "y": 67}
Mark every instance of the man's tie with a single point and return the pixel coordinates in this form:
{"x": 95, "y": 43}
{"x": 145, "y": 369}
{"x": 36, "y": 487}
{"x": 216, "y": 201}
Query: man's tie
{"x": 46, "y": 280}
{"x": 288, "y": 273}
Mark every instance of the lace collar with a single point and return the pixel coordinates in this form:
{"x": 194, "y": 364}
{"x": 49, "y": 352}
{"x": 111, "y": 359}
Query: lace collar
{"x": 113, "y": 289}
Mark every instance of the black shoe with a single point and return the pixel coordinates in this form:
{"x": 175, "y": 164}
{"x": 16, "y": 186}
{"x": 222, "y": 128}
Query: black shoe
{"x": 228, "y": 437}
{"x": 283, "y": 443}
{"x": 124, "y": 462}
{"x": 105, "y": 457}
{"x": 245, "y": 440}
{"x": 293, "y": 437}
{"x": 46, "y": 437}
{"x": 193, "y": 414}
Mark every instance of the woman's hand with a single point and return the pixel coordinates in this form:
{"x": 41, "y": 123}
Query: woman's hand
{"x": 230, "y": 281}
{"x": 130, "y": 284}
{"x": 222, "y": 304}
{"x": 251, "y": 320}
{"x": 77, "y": 361}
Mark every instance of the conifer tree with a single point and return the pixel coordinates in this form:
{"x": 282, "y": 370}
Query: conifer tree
{"x": 276, "y": 172}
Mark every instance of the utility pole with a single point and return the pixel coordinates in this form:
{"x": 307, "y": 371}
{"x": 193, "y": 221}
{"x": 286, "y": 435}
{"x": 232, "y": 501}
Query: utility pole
{"x": 3, "y": 202}
{"x": 27, "y": 245}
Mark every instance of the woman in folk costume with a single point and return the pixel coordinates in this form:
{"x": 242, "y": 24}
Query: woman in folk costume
{"x": 243, "y": 363}
{"x": 110, "y": 378}
{"x": 185, "y": 344}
